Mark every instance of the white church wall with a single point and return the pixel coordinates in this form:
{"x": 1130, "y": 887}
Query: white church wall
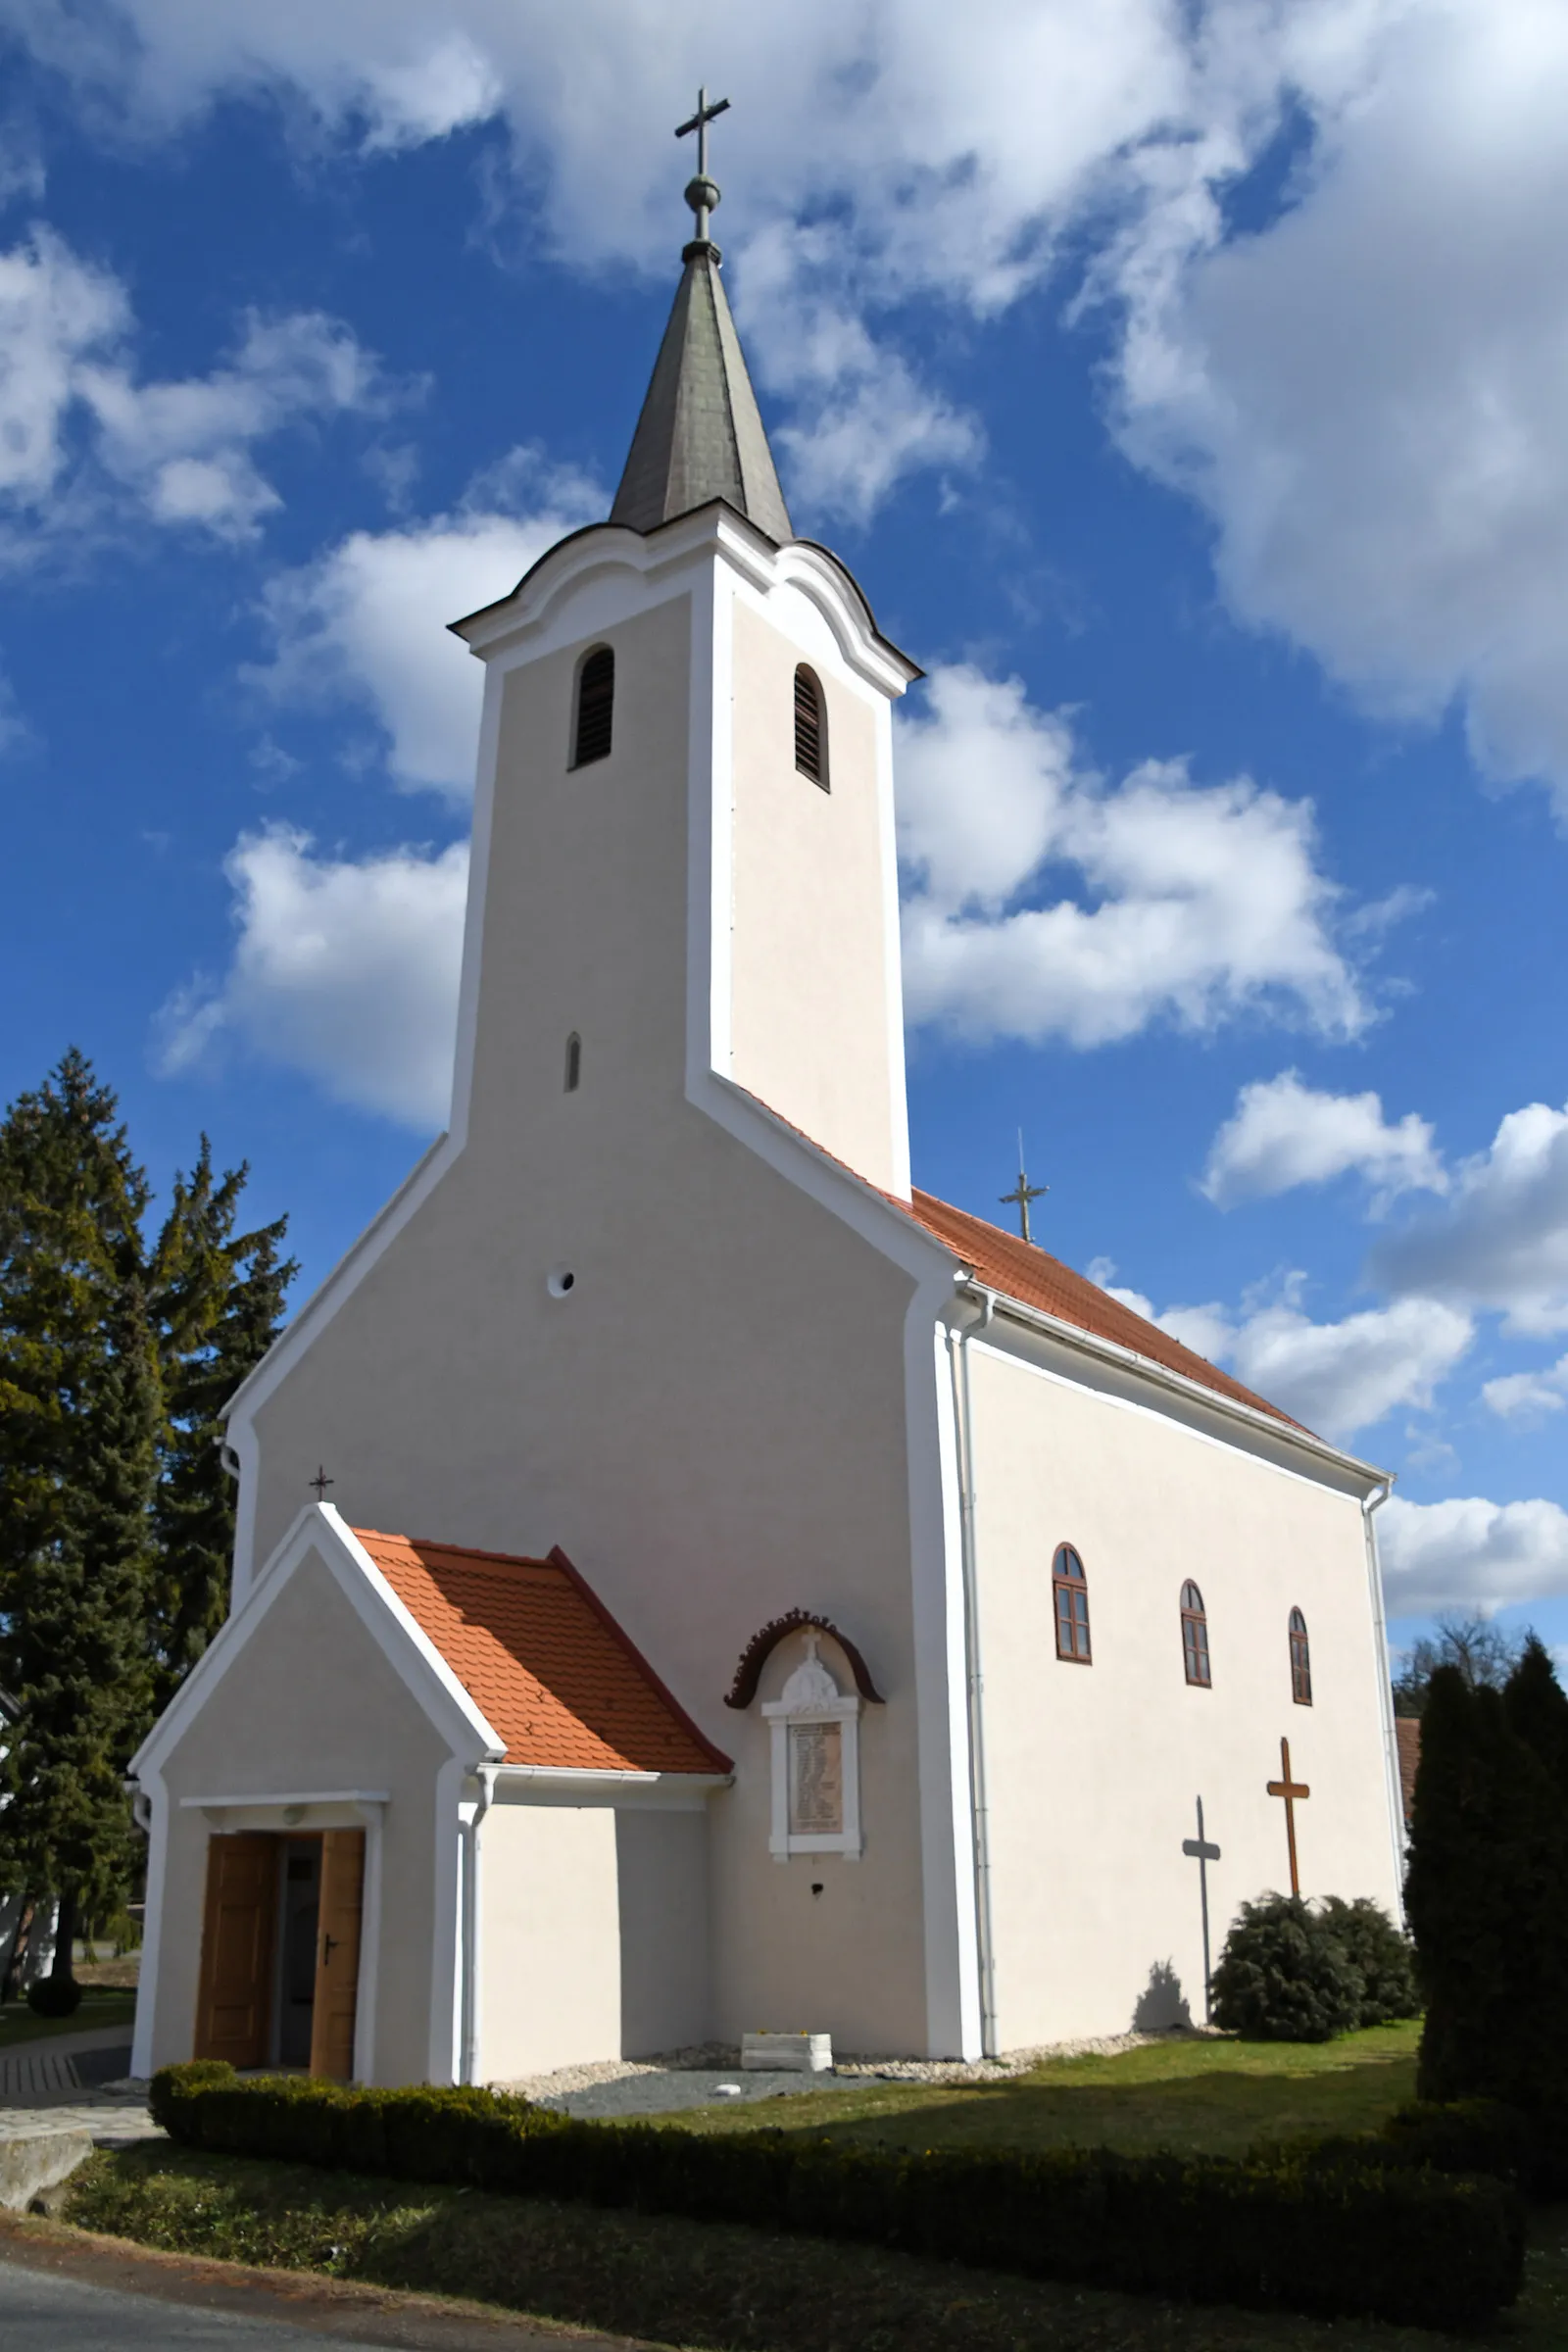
{"x": 311, "y": 1703}
{"x": 810, "y": 956}
{"x": 1093, "y": 1771}
{"x": 665, "y": 1981}
{"x": 712, "y": 1423}
{"x": 550, "y": 1939}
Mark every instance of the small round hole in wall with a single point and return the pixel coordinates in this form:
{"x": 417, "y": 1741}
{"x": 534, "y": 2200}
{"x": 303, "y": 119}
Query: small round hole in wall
{"x": 560, "y": 1281}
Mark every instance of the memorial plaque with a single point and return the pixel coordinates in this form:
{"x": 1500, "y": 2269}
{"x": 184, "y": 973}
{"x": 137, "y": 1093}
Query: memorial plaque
{"x": 817, "y": 1780}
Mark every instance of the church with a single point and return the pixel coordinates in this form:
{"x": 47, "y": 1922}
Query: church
{"x": 688, "y": 1580}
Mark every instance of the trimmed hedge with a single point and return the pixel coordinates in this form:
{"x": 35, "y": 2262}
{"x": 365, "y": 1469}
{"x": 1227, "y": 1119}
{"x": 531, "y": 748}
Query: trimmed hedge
{"x": 1341, "y": 2237}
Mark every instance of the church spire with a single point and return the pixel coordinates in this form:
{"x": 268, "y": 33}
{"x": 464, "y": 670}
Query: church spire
{"x": 700, "y": 435}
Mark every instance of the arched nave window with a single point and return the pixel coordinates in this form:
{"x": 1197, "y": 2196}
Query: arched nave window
{"x": 1301, "y": 1661}
{"x": 1195, "y": 1637}
{"x": 1070, "y": 1591}
{"x": 596, "y": 706}
{"x": 810, "y": 727}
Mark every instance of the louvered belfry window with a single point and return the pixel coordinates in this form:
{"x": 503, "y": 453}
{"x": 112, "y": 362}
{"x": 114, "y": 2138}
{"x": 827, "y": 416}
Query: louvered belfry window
{"x": 596, "y": 706}
{"x": 811, "y": 728}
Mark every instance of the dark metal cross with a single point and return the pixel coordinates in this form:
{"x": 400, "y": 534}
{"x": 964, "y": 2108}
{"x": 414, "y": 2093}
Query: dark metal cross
{"x": 701, "y": 193}
{"x": 1290, "y": 1789}
{"x": 699, "y": 123}
{"x": 1023, "y": 1193}
{"x": 320, "y": 1481}
{"x": 1203, "y": 1854}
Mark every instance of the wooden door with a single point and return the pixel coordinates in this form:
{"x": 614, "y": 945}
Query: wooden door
{"x": 234, "y": 1990}
{"x": 337, "y": 1954}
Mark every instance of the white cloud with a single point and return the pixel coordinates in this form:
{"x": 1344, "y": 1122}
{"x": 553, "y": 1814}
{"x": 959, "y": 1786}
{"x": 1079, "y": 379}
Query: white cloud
{"x": 1502, "y": 1242}
{"x": 1197, "y": 904}
{"x": 81, "y": 437}
{"x": 1335, "y": 1378}
{"x": 1469, "y": 1553}
{"x": 365, "y": 623}
{"x": 1368, "y": 396}
{"x": 1283, "y": 1133}
{"x": 344, "y": 969}
{"x": 1527, "y": 1397}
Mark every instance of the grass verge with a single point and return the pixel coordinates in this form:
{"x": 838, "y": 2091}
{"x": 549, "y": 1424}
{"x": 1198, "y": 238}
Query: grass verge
{"x": 1218, "y": 2097}
{"x": 108, "y": 2006}
{"x": 712, "y": 2285}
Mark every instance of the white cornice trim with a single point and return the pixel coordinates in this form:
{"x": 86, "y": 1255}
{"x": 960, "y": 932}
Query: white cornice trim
{"x": 1181, "y": 1384}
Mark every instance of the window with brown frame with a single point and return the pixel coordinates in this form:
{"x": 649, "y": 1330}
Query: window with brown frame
{"x": 596, "y": 707}
{"x": 1301, "y": 1661}
{"x": 810, "y": 727}
{"x": 1195, "y": 1637}
{"x": 1069, "y": 1593}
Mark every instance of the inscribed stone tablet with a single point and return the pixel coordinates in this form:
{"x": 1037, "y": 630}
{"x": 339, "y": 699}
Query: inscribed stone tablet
{"x": 817, "y": 1780}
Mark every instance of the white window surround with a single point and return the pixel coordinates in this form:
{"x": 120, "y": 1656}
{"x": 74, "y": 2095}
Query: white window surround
{"x": 811, "y": 1698}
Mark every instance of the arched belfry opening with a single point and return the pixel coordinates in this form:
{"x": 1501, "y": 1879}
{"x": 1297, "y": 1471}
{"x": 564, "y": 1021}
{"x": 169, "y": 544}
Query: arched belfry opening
{"x": 594, "y": 731}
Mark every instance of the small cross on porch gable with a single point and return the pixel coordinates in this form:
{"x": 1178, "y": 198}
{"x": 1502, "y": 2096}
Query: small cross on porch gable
{"x": 1291, "y": 1792}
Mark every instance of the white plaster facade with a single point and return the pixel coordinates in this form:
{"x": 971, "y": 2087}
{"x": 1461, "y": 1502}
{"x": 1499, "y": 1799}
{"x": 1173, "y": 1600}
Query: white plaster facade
{"x": 767, "y": 1387}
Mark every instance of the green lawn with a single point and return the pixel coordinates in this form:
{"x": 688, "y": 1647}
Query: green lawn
{"x": 704, "y": 2285}
{"x": 1217, "y": 2096}
{"x": 110, "y": 2006}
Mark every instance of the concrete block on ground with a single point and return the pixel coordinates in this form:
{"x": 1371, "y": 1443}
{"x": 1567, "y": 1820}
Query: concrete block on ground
{"x": 792, "y": 2053}
{"x": 32, "y": 2161}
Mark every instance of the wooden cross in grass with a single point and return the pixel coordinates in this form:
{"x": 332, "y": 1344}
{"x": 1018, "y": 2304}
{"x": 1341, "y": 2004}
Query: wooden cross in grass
{"x": 1290, "y": 1789}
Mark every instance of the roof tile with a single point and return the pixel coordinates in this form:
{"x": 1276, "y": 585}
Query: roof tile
{"x": 543, "y": 1659}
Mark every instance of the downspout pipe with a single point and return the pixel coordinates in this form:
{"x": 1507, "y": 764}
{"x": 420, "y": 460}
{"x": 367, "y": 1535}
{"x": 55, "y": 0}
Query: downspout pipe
{"x": 1370, "y": 1503}
{"x": 485, "y": 1774}
{"x": 958, "y": 1338}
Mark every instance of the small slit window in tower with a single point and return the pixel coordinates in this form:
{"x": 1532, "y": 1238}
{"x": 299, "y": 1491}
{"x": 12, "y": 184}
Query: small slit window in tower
{"x": 1195, "y": 1637}
{"x": 1301, "y": 1661}
{"x": 596, "y": 706}
{"x": 1069, "y": 1593}
{"x": 810, "y": 727}
{"x": 573, "y": 1063}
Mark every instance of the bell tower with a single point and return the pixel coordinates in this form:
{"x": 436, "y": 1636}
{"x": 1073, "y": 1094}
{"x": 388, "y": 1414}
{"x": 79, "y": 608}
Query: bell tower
{"x": 732, "y": 789}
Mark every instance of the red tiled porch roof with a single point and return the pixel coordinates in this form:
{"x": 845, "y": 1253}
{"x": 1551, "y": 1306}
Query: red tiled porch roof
{"x": 542, "y": 1658}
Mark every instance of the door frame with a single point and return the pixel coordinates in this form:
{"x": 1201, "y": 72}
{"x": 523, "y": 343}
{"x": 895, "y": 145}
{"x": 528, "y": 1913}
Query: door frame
{"x": 300, "y": 1815}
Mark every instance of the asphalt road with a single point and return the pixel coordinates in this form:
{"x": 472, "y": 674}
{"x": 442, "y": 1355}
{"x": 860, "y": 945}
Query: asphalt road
{"x": 43, "y": 2313}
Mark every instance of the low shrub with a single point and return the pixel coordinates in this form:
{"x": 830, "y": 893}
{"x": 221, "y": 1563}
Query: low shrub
{"x": 1364, "y": 2239}
{"x": 1284, "y": 1976}
{"x": 1381, "y": 1954}
{"x": 54, "y": 1996}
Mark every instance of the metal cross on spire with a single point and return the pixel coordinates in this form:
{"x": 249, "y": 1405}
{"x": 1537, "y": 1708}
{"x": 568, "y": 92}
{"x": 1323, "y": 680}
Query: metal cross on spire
{"x": 1023, "y": 1193}
{"x": 320, "y": 1481}
{"x": 701, "y": 193}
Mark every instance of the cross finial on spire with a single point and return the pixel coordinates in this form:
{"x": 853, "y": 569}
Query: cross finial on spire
{"x": 1023, "y": 1193}
{"x": 701, "y": 193}
{"x": 320, "y": 1481}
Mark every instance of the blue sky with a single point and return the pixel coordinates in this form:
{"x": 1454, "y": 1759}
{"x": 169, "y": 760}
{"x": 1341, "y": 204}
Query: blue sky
{"x": 1187, "y": 388}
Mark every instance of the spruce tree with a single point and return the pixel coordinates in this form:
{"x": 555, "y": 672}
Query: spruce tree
{"x": 219, "y": 1297}
{"x": 80, "y": 1416}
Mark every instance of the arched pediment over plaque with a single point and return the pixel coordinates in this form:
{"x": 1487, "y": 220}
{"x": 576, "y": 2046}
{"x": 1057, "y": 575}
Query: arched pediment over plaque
{"x": 763, "y": 1643}
{"x": 816, "y": 1741}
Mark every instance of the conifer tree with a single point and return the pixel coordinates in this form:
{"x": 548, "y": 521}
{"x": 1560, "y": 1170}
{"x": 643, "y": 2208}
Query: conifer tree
{"x": 1486, "y": 1895}
{"x": 80, "y": 1414}
{"x": 219, "y": 1296}
{"x": 1537, "y": 1708}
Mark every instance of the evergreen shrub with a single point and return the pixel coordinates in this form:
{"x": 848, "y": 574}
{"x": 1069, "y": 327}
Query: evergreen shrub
{"x": 1352, "y": 2237}
{"x": 54, "y": 1996}
{"x": 1285, "y": 1976}
{"x": 1381, "y": 1954}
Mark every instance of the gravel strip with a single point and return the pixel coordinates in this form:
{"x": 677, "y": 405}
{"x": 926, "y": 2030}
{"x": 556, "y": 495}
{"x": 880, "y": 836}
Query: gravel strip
{"x": 693, "y": 2077}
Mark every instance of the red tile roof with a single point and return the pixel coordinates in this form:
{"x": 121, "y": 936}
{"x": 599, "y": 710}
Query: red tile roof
{"x": 542, "y": 1658}
{"x": 1407, "y": 1732}
{"x": 1018, "y": 1270}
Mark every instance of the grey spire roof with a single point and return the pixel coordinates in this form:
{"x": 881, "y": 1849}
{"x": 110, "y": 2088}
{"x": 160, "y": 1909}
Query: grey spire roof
{"x": 700, "y": 435}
